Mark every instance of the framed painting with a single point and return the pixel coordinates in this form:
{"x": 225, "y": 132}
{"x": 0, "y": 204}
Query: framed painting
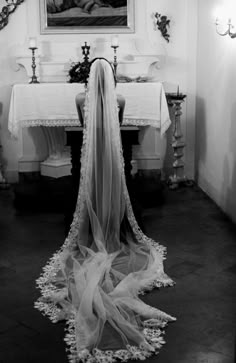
{"x": 86, "y": 16}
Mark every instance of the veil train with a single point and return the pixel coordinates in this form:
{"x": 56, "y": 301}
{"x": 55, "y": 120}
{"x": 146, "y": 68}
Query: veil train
{"x": 94, "y": 280}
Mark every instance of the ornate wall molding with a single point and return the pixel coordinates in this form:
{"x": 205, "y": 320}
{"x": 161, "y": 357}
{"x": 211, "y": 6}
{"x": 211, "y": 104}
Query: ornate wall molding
{"x": 8, "y": 9}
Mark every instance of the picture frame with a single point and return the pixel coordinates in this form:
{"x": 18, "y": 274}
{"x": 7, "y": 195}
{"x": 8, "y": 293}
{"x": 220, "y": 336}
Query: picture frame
{"x": 91, "y": 16}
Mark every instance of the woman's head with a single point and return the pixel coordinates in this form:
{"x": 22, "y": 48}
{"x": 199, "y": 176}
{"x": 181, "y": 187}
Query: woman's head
{"x": 104, "y": 67}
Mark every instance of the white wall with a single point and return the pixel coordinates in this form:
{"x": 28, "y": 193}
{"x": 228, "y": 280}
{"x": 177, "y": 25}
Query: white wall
{"x": 216, "y": 110}
{"x": 177, "y": 64}
{"x": 11, "y": 34}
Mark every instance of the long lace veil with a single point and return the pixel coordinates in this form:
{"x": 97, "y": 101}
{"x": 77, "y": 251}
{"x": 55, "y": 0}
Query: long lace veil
{"x": 94, "y": 280}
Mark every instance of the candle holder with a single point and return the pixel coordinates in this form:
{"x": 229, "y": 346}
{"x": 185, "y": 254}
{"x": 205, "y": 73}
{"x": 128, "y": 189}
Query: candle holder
{"x": 178, "y": 178}
{"x": 33, "y": 78}
{"x": 115, "y": 64}
{"x": 85, "y": 51}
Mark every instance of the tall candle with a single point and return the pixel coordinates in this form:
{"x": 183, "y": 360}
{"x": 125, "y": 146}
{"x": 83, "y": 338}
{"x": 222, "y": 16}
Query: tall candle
{"x": 178, "y": 91}
{"x": 32, "y": 43}
{"x": 115, "y": 41}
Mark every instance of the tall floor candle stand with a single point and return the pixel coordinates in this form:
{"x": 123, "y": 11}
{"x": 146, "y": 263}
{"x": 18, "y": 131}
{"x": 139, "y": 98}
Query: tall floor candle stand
{"x": 178, "y": 178}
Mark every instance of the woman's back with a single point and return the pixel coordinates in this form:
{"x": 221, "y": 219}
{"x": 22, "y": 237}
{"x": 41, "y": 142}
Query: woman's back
{"x": 93, "y": 282}
{"x": 80, "y": 102}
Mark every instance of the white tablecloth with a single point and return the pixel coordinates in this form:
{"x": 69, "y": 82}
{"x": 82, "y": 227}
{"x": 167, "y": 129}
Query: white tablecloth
{"x": 53, "y": 104}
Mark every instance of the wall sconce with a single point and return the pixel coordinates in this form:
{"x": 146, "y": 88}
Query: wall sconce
{"x": 228, "y": 31}
{"x": 224, "y": 24}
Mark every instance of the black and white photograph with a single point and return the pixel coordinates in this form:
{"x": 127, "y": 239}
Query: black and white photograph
{"x": 117, "y": 181}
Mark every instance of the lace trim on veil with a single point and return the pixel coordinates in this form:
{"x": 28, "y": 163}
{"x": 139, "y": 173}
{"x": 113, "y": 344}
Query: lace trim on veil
{"x": 152, "y": 328}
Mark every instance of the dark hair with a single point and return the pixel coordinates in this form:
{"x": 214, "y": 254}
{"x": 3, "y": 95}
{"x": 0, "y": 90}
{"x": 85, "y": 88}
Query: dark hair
{"x": 94, "y": 59}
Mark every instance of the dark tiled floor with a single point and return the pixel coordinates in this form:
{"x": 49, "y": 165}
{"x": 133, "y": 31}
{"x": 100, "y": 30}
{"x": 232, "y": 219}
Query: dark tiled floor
{"x": 201, "y": 259}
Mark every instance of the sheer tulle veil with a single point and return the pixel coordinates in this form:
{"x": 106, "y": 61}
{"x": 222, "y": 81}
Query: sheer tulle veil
{"x": 94, "y": 280}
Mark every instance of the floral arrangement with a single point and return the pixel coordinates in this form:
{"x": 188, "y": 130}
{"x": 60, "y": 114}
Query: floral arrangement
{"x": 163, "y": 23}
{"x": 79, "y": 72}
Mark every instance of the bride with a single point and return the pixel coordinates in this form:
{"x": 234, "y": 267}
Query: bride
{"x": 94, "y": 280}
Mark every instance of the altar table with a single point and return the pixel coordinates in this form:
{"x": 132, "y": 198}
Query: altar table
{"x": 53, "y": 104}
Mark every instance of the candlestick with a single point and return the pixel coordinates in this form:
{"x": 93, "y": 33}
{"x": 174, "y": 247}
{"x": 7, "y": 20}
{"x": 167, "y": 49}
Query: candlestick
{"x": 85, "y": 51}
{"x": 33, "y": 78}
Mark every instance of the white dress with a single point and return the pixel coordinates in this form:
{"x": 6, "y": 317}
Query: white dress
{"x": 94, "y": 280}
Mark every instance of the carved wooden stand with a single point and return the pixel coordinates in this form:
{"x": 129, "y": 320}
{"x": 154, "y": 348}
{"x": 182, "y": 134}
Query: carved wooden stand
{"x": 178, "y": 178}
